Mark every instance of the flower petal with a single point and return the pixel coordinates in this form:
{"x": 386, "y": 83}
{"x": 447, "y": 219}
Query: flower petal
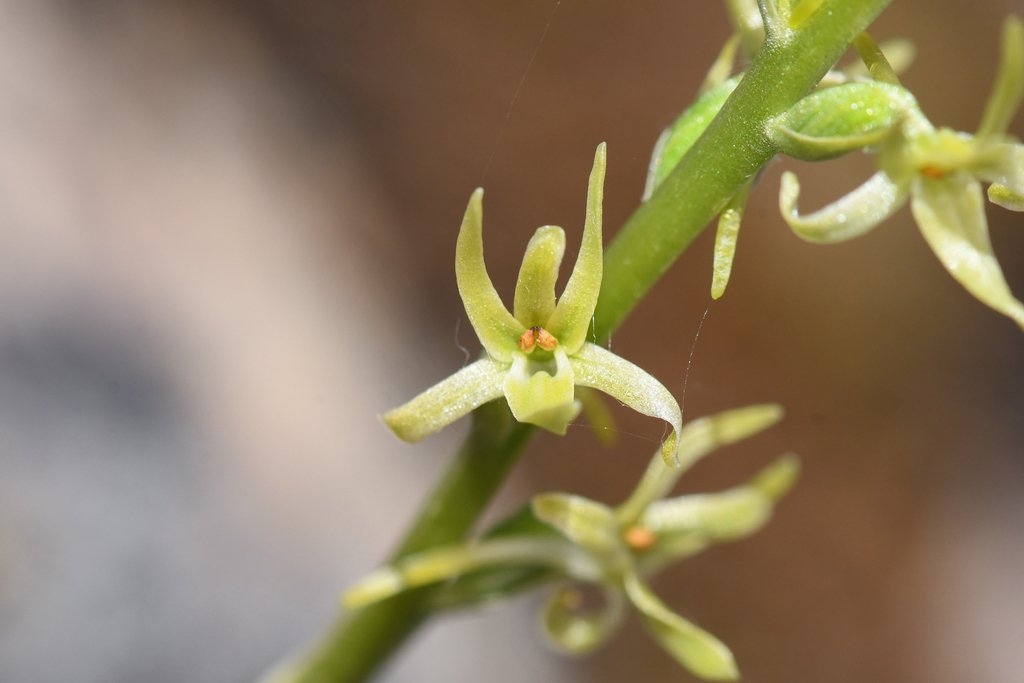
{"x": 697, "y": 439}
{"x": 1009, "y": 88}
{"x": 951, "y": 215}
{"x": 847, "y": 217}
{"x": 498, "y": 331}
{"x": 448, "y": 400}
{"x": 725, "y": 515}
{"x": 542, "y": 393}
{"x": 595, "y": 367}
{"x": 571, "y": 320}
{"x": 585, "y": 522}
{"x": 535, "y": 289}
{"x": 728, "y": 515}
{"x": 696, "y": 649}
{"x": 687, "y": 525}
{"x": 576, "y": 631}
{"x": 441, "y": 564}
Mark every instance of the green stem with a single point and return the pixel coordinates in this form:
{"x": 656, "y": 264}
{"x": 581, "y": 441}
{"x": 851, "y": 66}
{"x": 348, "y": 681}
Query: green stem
{"x": 732, "y": 150}
{"x": 361, "y": 641}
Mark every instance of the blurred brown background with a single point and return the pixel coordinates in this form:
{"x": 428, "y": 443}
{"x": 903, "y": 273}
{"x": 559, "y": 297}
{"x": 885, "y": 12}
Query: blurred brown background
{"x": 226, "y": 236}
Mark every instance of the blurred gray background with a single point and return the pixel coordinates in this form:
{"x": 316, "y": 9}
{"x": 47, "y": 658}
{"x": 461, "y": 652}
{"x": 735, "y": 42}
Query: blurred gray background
{"x": 226, "y": 236}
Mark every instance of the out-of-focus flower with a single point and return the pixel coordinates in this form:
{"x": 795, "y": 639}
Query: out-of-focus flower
{"x": 615, "y": 548}
{"x": 940, "y": 171}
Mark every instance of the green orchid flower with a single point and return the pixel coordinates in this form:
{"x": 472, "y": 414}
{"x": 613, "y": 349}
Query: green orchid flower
{"x": 940, "y": 172}
{"x": 586, "y": 541}
{"x": 537, "y": 354}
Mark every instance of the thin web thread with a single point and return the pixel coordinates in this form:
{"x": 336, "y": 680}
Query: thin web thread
{"x": 689, "y": 362}
{"x": 519, "y": 89}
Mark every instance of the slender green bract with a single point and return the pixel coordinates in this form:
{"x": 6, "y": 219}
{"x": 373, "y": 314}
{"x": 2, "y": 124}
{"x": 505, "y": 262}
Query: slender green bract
{"x": 731, "y": 152}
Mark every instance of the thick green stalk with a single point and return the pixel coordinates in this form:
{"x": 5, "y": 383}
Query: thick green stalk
{"x": 360, "y": 642}
{"x": 731, "y": 151}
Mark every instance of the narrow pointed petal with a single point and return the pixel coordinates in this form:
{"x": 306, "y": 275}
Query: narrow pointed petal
{"x": 542, "y": 394}
{"x": 725, "y": 242}
{"x": 450, "y": 562}
{"x": 687, "y": 525}
{"x": 447, "y": 401}
{"x": 778, "y": 478}
{"x": 847, "y": 217}
{"x": 951, "y": 215}
{"x": 693, "y": 647}
{"x": 585, "y": 522}
{"x": 498, "y": 331}
{"x": 1009, "y": 87}
{"x": 600, "y": 369}
{"x": 697, "y": 439}
{"x": 571, "y": 319}
{"x": 728, "y": 515}
{"x": 577, "y": 631}
{"x": 535, "y": 289}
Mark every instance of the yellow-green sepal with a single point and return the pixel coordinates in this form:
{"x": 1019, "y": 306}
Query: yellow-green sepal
{"x": 600, "y": 369}
{"x": 447, "y": 401}
{"x": 697, "y": 439}
{"x": 693, "y": 647}
{"x": 534, "y": 300}
{"x": 951, "y": 215}
{"x": 849, "y": 216}
{"x": 585, "y": 522}
{"x": 496, "y": 328}
{"x": 572, "y": 316}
